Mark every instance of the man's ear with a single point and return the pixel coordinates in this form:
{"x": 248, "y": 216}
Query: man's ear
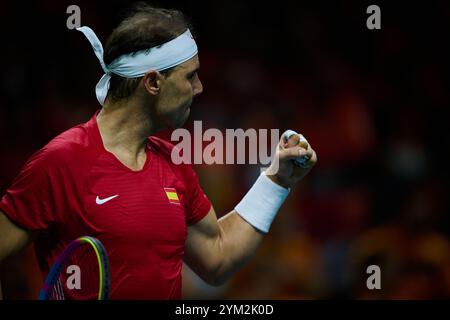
{"x": 151, "y": 82}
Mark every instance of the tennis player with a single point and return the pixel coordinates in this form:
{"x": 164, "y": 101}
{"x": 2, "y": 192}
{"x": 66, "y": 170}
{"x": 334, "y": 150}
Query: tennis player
{"x": 111, "y": 179}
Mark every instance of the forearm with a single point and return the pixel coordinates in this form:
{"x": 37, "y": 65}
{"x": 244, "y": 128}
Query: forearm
{"x": 236, "y": 244}
{"x": 215, "y": 249}
{"x": 242, "y": 230}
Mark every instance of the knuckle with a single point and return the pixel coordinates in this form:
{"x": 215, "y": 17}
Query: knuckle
{"x": 288, "y": 133}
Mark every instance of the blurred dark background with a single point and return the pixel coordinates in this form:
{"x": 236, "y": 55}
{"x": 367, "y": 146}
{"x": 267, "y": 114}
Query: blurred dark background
{"x": 374, "y": 104}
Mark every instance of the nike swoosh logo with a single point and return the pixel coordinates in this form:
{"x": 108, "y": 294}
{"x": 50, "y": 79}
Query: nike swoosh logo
{"x": 102, "y": 201}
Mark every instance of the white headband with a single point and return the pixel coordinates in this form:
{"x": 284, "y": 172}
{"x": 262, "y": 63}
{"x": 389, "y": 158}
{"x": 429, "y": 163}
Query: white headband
{"x": 136, "y": 64}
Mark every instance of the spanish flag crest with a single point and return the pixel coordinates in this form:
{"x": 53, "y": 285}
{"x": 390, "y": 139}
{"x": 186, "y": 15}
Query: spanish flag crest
{"x": 172, "y": 195}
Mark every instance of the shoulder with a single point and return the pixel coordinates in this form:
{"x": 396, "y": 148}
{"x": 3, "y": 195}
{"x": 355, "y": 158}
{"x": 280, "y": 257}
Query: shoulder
{"x": 71, "y": 146}
{"x": 160, "y": 145}
{"x": 167, "y": 150}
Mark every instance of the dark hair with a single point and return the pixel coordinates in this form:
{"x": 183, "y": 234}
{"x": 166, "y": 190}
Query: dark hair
{"x": 145, "y": 27}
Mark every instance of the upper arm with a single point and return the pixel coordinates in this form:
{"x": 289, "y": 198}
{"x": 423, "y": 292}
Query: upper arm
{"x": 12, "y": 237}
{"x": 202, "y": 248}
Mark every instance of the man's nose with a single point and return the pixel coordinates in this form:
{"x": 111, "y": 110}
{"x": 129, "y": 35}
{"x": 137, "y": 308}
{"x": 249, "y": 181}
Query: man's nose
{"x": 198, "y": 87}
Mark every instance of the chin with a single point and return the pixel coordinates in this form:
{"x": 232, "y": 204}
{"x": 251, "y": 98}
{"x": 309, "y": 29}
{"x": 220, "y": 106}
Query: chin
{"x": 181, "y": 120}
{"x": 185, "y": 116}
{"x": 181, "y": 116}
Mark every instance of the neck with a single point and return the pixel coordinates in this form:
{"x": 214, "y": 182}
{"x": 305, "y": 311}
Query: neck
{"x": 124, "y": 129}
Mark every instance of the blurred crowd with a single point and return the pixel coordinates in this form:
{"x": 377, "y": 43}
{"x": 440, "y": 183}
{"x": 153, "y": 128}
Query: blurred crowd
{"x": 374, "y": 104}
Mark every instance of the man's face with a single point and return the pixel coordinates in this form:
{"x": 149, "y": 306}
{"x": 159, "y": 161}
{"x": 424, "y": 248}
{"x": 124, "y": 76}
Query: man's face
{"x": 177, "y": 92}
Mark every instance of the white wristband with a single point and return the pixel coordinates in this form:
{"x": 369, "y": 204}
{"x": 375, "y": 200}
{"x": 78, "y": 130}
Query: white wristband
{"x": 262, "y": 202}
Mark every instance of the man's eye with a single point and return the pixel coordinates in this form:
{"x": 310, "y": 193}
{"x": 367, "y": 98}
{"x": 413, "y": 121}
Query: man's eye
{"x": 191, "y": 75}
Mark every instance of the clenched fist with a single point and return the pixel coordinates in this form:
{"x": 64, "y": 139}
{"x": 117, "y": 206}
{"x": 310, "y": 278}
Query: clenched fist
{"x": 293, "y": 159}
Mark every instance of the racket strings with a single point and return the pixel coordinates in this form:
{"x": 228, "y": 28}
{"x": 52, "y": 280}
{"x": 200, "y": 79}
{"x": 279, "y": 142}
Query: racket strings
{"x": 57, "y": 292}
{"x": 79, "y": 278}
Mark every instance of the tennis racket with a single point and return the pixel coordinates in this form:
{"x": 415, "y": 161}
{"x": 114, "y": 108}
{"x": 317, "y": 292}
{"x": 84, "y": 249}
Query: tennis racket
{"x": 81, "y": 272}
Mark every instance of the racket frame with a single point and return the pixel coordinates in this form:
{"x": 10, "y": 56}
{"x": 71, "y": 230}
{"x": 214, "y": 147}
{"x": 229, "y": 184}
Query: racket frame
{"x": 102, "y": 260}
